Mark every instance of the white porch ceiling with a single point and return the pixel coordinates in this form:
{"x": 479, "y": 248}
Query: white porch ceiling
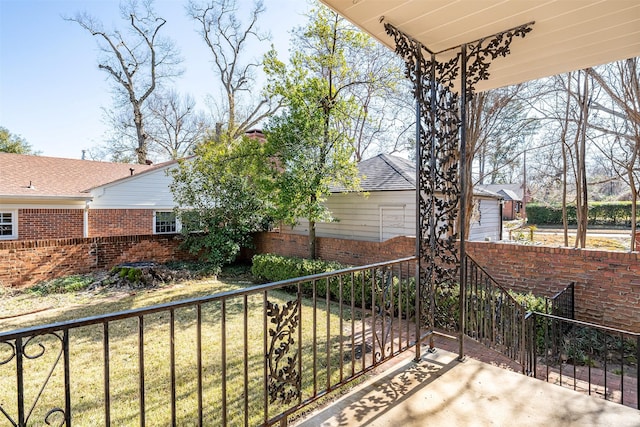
{"x": 567, "y": 34}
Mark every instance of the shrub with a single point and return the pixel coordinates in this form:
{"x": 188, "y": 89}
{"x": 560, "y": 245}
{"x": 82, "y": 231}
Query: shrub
{"x": 530, "y": 301}
{"x": 600, "y": 213}
{"x": 274, "y": 268}
{"x": 269, "y": 267}
{"x": 61, "y": 285}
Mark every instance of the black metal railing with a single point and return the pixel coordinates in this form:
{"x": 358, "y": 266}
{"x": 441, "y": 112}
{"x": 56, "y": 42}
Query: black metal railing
{"x": 253, "y": 356}
{"x": 562, "y": 304}
{"x": 586, "y": 357}
{"x": 493, "y": 316}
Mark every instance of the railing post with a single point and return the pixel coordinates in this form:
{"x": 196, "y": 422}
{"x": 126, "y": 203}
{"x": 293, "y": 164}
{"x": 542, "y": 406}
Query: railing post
{"x": 67, "y": 379}
{"x": 418, "y": 314}
{"x": 573, "y": 300}
{"x": 419, "y": 242}
{"x": 20, "y": 380}
{"x": 638, "y": 371}
{"x": 523, "y": 337}
{"x": 463, "y": 192}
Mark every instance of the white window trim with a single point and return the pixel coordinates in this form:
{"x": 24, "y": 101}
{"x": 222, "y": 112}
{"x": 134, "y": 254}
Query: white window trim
{"x": 178, "y": 224}
{"x": 14, "y": 224}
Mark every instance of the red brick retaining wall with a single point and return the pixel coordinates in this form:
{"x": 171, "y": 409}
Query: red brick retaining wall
{"x": 607, "y": 288}
{"x": 352, "y": 252}
{"x": 607, "y": 283}
{"x": 23, "y": 263}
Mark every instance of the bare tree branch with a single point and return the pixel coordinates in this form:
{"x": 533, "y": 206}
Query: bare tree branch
{"x": 125, "y": 58}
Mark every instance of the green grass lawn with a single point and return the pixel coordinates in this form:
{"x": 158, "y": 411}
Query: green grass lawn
{"x": 87, "y": 355}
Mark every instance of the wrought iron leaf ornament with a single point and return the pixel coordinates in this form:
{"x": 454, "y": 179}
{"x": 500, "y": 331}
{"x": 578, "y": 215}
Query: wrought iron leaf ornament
{"x": 480, "y": 56}
{"x": 284, "y": 379}
{"x": 439, "y": 115}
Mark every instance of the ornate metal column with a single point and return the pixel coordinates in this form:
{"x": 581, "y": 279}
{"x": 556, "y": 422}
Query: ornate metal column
{"x": 442, "y": 89}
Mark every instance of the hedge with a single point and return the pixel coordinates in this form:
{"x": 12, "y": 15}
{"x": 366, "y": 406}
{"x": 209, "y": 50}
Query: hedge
{"x": 600, "y": 213}
{"x": 273, "y": 268}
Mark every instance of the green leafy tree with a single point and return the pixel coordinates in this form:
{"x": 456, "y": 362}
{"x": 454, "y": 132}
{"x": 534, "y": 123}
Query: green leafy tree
{"x": 219, "y": 188}
{"x": 11, "y": 143}
{"x": 308, "y": 144}
{"x": 219, "y": 199}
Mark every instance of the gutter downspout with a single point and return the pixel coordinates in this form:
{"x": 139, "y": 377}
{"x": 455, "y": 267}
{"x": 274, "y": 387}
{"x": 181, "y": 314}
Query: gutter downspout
{"x": 85, "y": 219}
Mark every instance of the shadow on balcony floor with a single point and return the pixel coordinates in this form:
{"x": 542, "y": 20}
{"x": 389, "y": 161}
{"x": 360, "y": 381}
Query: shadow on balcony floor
{"x": 441, "y": 391}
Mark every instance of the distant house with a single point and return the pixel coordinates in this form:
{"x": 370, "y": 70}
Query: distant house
{"x": 388, "y": 209}
{"x": 514, "y": 202}
{"x": 51, "y": 198}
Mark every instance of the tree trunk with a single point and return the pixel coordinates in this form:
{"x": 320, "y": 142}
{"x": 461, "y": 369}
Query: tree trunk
{"x": 312, "y": 239}
{"x": 141, "y": 150}
{"x": 582, "y": 207}
{"x": 565, "y": 164}
{"x": 565, "y": 223}
{"x": 634, "y": 208}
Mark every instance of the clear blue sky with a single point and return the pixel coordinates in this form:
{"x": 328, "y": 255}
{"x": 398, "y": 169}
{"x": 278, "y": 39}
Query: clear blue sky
{"x": 51, "y": 90}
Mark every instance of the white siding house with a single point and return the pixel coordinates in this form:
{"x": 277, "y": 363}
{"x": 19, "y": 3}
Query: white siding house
{"x": 148, "y": 190}
{"x": 387, "y": 206}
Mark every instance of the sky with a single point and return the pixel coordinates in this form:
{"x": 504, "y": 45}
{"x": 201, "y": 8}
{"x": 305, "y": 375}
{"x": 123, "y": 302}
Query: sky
{"x": 52, "y": 93}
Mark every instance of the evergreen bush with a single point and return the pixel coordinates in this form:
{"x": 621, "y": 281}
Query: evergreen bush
{"x": 600, "y": 213}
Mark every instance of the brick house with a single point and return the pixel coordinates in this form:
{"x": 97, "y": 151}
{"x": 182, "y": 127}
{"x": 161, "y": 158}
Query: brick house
{"x": 515, "y": 200}
{"x": 52, "y": 198}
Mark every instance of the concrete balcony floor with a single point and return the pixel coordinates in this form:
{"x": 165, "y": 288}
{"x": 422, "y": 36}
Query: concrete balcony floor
{"x": 439, "y": 390}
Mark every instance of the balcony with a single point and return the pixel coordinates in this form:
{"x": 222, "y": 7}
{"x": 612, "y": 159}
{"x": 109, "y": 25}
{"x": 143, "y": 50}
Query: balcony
{"x": 440, "y": 390}
{"x": 270, "y": 354}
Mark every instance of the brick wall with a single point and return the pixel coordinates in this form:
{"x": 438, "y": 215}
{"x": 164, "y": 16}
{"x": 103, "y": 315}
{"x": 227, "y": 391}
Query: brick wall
{"x": 120, "y": 222}
{"x": 607, "y": 288}
{"x": 352, "y": 252}
{"x": 607, "y": 283}
{"x": 50, "y": 223}
{"x": 23, "y": 263}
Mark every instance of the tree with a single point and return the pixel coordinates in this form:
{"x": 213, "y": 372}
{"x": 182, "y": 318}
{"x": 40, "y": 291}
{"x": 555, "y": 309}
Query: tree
{"x": 620, "y": 133}
{"x": 242, "y": 106}
{"x": 573, "y": 137}
{"x": 137, "y": 63}
{"x": 383, "y": 96}
{"x": 11, "y": 143}
{"x": 175, "y": 127}
{"x": 497, "y": 124}
{"x": 309, "y": 148}
{"x": 498, "y": 127}
{"x": 219, "y": 200}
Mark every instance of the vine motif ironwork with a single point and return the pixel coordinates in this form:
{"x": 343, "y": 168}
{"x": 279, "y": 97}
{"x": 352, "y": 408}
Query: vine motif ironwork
{"x": 439, "y": 128}
{"x": 20, "y": 350}
{"x": 284, "y": 382}
{"x": 384, "y": 312}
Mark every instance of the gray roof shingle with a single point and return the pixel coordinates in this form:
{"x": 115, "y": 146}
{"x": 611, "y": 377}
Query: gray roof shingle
{"x": 385, "y": 172}
{"x": 508, "y": 191}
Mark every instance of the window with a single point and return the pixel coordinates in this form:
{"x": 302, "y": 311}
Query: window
{"x": 8, "y": 225}
{"x": 165, "y": 222}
